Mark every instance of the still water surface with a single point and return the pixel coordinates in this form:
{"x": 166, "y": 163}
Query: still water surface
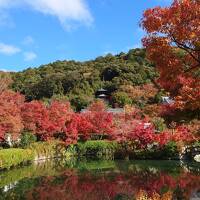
{"x": 102, "y": 180}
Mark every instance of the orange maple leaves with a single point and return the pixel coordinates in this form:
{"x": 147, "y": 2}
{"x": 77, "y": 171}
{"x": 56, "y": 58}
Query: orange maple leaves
{"x": 173, "y": 44}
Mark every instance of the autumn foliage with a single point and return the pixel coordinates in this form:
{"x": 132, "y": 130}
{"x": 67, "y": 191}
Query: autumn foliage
{"x": 10, "y": 114}
{"x": 139, "y": 93}
{"x": 173, "y": 45}
{"x": 57, "y": 120}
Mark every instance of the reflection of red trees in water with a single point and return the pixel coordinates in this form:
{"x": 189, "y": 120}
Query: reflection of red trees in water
{"x": 109, "y": 185}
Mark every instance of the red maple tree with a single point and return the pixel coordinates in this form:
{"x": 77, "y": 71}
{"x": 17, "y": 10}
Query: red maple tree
{"x": 10, "y": 114}
{"x": 173, "y": 45}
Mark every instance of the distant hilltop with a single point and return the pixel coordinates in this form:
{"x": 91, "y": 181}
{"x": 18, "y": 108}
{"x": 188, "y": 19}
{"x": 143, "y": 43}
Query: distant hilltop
{"x": 78, "y": 81}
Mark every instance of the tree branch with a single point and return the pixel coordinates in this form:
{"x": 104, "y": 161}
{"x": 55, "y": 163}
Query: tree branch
{"x": 187, "y": 49}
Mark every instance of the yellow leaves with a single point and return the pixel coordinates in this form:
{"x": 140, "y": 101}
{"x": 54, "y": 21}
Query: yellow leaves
{"x": 197, "y": 45}
{"x": 142, "y": 195}
{"x": 193, "y": 35}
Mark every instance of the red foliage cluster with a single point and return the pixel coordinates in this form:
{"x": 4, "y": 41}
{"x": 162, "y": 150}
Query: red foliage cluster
{"x": 49, "y": 121}
{"x": 182, "y": 133}
{"x": 137, "y": 131}
{"x": 10, "y": 118}
{"x": 167, "y": 110}
{"x": 142, "y": 133}
{"x": 172, "y": 43}
{"x": 190, "y": 93}
{"x": 45, "y": 121}
{"x": 57, "y": 120}
{"x": 78, "y": 127}
{"x": 2, "y": 134}
{"x": 34, "y": 115}
{"x": 102, "y": 122}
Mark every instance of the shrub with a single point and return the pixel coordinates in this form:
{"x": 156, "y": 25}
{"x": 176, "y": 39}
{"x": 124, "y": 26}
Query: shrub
{"x": 152, "y": 110}
{"x": 13, "y": 157}
{"x": 146, "y": 154}
{"x": 121, "y": 98}
{"x": 159, "y": 95}
{"x": 80, "y": 101}
{"x": 26, "y": 139}
{"x": 97, "y": 148}
{"x": 170, "y": 150}
{"x": 159, "y": 124}
{"x": 71, "y": 151}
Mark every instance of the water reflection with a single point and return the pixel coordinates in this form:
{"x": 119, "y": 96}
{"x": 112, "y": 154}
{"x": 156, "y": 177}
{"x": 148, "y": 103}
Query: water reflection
{"x": 103, "y": 180}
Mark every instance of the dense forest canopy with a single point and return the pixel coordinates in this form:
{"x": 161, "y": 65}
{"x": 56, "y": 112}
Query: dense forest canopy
{"x": 78, "y": 81}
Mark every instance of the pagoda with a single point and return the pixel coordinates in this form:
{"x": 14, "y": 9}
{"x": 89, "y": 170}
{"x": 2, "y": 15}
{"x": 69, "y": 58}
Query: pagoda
{"x": 103, "y": 95}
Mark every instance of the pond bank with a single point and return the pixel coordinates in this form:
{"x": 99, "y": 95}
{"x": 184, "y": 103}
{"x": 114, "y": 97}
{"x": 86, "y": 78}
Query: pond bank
{"x": 36, "y": 152}
{"x": 102, "y": 149}
{"x": 96, "y": 149}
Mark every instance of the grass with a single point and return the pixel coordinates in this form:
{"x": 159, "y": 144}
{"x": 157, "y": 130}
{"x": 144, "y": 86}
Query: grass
{"x": 13, "y": 157}
{"x": 41, "y": 150}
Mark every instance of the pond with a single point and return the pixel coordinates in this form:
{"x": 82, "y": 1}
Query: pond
{"x": 102, "y": 180}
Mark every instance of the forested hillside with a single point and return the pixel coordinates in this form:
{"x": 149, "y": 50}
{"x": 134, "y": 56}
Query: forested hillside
{"x": 78, "y": 81}
{"x": 154, "y": 93}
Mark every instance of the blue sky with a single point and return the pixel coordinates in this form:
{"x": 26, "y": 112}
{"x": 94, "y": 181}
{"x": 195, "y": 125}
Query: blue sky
{"x": 35, "y": 32}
